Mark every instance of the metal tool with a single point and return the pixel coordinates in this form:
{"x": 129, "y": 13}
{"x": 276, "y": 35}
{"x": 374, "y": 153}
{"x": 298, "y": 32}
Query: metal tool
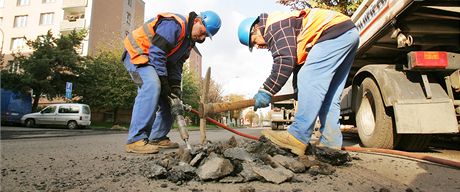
{"x": 208, "y": 108}
{"x": 177, "y": 110}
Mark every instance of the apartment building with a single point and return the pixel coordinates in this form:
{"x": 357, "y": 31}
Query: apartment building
{"x": 107, "y": 22}
{"x": 195, "y": 62}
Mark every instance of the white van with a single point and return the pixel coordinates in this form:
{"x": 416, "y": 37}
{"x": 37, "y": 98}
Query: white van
{"x": 72, "y": 115}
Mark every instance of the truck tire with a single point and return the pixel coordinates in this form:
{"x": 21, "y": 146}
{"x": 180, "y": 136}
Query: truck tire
{"x": 274, "y": 126}
{"x": 375, "y": 126}
{"x": 30, "y": 123}
{"x": 72, "y": 125}
{"x": 414, "y": 142}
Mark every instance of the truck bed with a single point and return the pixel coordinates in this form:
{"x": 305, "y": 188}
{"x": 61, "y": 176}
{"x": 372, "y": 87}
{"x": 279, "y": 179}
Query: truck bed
{"x": 432, "y": 24}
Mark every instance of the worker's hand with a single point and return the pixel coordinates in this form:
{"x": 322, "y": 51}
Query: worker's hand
{"x": 165, "y": 88}
{"x": 263, "y": 99}
{"x": 176, "y": 90}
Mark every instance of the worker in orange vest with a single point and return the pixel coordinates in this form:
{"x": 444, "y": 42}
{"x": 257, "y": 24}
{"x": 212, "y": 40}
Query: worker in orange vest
{"x": 154, "y": 55}
{"x": 318, "y": 47}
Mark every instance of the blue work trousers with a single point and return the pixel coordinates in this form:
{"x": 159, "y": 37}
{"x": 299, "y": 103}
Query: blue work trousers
{"x": 151, "y": 117}
{"x": 320, "y": 83}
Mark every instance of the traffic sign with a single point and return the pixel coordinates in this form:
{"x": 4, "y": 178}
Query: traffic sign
{"x": 68, "y": 90}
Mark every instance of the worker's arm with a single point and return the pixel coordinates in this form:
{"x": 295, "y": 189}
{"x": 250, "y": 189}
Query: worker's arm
{"x": 282, "y": 41}
{"x": 175, "y": 78}
{"x": 166, "y": 35}
{"x": 175, "y": 68}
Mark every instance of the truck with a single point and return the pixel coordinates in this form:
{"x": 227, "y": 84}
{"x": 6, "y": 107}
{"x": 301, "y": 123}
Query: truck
{"x": 14, "y": 106}
{"x": 404, "y": 86}
{"x": 282, "y": 113}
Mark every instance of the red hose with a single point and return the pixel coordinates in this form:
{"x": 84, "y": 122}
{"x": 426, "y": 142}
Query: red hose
{"x": 405, "y": 154}
{"x": 225, "y": 127}
{"x": 354, "y": 149}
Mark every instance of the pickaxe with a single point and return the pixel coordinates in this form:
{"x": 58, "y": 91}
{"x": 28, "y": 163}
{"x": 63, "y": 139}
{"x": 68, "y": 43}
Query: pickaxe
{"x": 209, "y": 108}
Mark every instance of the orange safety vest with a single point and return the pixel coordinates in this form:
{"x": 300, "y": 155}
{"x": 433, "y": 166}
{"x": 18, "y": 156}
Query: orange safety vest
{"x": 138, "y": 42}
{"x": 314, "y": 23}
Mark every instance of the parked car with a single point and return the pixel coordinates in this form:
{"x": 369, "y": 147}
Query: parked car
{"x": 72, "y": 115}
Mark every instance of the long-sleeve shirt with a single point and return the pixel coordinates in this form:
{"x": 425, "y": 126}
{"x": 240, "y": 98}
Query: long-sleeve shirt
{"x": 170, "y": 66}
{"x": 281, "y": 39}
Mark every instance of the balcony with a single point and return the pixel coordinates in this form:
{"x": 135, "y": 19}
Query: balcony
{"x": 69, "y": 25}
{"x": 74, "y": 3}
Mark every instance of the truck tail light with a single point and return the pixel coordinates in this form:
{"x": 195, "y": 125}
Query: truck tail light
{"x": 427, "y": 60}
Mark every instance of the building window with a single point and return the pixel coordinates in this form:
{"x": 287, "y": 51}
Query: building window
{"x": 130, "y": 3}
{"x": 20, "y": 21}
{"x": 17, "y": 43}
{"x": 23, "y": 2}
{"x": 13, "y": 67}
{"x": 48, "y": 1}
{"x": 128, "y": 18}
{"x": 46, "y": 18}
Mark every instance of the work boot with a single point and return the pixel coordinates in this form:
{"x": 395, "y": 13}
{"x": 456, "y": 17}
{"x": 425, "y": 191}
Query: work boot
{"x": 141, "y": 146}
{"x": 164, "y": 143}
{"x": 285, "y": 140}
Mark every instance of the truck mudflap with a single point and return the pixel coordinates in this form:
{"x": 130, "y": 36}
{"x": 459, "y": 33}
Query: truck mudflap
{"x": 418, "y": 116}
{"x": 414, "y": 111}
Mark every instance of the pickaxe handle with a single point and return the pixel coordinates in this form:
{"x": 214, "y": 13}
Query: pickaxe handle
{"x": 229, "y": 106}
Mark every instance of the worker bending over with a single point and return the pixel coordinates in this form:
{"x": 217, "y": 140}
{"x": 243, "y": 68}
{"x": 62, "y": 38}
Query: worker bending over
{"x": 318, "y": 47}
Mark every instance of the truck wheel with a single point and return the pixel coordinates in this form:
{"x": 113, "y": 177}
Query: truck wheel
{"x": 414, "y": 142}
{"x": 72, "y": 125}
{"x": 375, "y": 126}
{"x": 274, "y": 126}
{"x": 30, "y": 123}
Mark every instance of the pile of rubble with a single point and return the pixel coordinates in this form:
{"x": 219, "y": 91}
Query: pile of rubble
{"x": 244, "y": 161}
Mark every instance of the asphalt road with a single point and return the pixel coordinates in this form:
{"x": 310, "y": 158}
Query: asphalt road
{"x": 94, "y": 160}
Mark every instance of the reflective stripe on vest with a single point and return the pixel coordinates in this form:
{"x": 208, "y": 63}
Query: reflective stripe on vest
{"x": 138, "y": 42}
{"x": 314, "y": 23}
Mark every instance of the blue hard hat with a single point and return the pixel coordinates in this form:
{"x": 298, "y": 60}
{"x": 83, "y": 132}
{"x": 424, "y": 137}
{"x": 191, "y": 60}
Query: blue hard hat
{"x": 211, "y": 21}
{"x": 244, "y": 31}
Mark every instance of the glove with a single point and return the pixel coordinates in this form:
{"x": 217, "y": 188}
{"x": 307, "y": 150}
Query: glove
{"x": 263, "y": 99}
{"x": 165, "y": 88}
{"x": 176, "y": 90}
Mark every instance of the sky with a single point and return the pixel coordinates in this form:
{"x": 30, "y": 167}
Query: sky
{"x": 236, "y": 69}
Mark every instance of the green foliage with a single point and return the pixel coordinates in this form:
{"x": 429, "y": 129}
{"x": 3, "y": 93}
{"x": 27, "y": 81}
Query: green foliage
{"x": 191, "y": 89}
{"x": 346, "y": 7}
{"x": 105, "y": 83}
{"x": 13, "y": 81}
{"x": 53, "y": 62}
{"x": 191, "y": 92}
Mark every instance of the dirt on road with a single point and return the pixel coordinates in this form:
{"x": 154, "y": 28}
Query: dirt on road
{"x": 99, "y": 163}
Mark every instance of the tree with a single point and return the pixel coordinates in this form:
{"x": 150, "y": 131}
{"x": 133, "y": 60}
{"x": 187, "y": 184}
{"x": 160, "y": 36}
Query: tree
{"x": 53, "y": 62}
{"x": 191, "y": 90}
{"x": 105, "y": 83}
{"x": 252, "y": 117}
{"x": 215, "y": 96}
{"x": 268, "y": 117}
{"x": 235, "y": 114}
{"x": 344, "y": 6}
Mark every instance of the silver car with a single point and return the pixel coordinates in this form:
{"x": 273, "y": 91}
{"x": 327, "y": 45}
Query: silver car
{"x": 72, "y": 115}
